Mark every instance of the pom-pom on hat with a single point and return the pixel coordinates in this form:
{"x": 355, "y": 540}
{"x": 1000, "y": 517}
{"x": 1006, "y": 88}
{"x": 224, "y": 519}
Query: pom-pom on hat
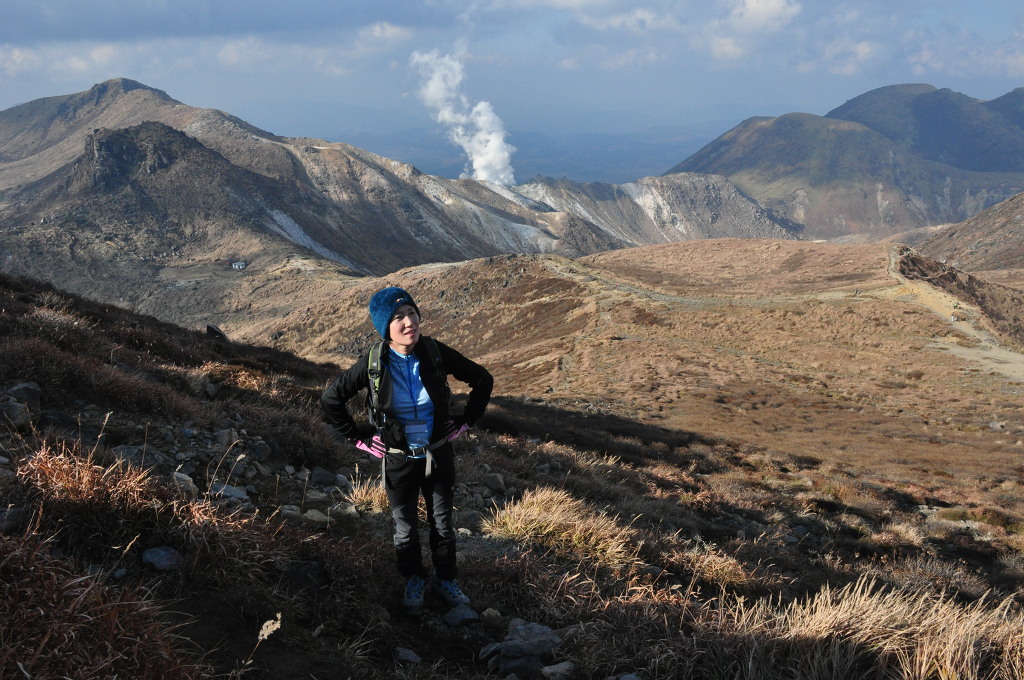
{"x": 383, "y": 305}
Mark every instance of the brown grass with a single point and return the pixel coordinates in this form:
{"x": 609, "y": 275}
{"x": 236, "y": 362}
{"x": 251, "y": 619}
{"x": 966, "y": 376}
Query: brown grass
{"x": 557, "y": 521}
{"x": 749, "y": 487}
{"x": 58, "y": 621}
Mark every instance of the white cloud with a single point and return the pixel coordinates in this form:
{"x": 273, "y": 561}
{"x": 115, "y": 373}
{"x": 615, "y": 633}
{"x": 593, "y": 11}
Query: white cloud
{"x": 964, "y": 55}
{"x": 17, "y": 60}
{"x": 638, "y": 21}
{"x": 762, "y": 16}
{"x": 383, "y": 33}
{"x": 844, "y": 56}
{"x": 633, "y": 57}
{"x": 383, "y": 30}
{"x": 725, "y": 48}
{"x": 243, "y": 52}
{"x": 734, "y": 36}
{"x": 551, "y": 4}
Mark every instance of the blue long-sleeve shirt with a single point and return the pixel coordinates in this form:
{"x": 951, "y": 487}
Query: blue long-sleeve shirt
{"x": 410, "y": 401}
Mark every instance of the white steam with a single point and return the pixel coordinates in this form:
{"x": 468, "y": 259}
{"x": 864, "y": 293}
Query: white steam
{"x": 478, "y": 129}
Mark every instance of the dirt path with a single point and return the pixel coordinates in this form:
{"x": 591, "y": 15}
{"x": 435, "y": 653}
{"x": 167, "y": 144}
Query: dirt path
{"x": 988, "y": 352}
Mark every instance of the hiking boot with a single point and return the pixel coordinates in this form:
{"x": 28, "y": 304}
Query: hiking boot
{"x": 413, "y": 598}
{"x": 451, "y": 592}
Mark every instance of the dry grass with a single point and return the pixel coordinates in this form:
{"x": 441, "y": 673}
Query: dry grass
{"x": 557, "y": 521}
{"x": 368, "y": 494}
{"x": 119, "y": 510}
{"x": 58, "y": 621}
{"x": 755, "y": 490}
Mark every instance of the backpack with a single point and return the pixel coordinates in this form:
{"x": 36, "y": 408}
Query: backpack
{"x": 374, "y": 368}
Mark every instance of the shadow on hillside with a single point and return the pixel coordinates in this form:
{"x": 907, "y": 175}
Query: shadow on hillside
{"x": 596, "y": 431}
{"x": 756, "y": 533}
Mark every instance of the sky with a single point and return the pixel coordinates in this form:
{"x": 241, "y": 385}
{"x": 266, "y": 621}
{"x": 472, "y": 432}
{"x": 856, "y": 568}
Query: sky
{"x": 478, "y": 72}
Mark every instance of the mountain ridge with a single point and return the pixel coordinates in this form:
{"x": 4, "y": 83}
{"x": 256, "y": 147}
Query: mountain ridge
{"x": 280, "y": 203}
{"x": 887, "y": 161}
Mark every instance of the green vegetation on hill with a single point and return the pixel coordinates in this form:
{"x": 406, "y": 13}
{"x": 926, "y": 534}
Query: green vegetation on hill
{"x": 890, "y": 160}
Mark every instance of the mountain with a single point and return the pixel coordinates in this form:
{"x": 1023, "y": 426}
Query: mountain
{"x": 944, "y": 126}
{"x": 124, "y": 194}
{"x": 993, "y": 239}
{"x": 888, "y": 161}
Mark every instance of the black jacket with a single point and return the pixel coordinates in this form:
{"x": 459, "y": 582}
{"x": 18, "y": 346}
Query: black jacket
{"x": 335, "y": 398}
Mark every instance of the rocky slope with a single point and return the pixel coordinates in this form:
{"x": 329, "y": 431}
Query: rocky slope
{"x": 678, "y": 207}
{"x": 125, "y": 195}
{"x": 993, "y": 239}
{"x": 362, "y": 210}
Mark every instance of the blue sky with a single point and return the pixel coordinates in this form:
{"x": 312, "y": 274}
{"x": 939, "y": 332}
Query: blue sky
{"x": 330, "y": 68}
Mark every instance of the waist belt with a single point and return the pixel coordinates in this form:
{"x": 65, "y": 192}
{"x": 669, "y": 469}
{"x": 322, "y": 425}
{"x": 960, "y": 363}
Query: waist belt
{"x": 417, "y": 453}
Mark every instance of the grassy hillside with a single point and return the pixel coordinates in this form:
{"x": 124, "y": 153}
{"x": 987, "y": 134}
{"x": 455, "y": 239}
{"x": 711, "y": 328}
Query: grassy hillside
{"x": 704, "y": 473}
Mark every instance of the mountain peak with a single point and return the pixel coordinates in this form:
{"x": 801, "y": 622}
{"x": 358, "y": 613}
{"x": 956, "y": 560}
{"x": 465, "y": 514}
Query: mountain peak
{"x": 110, "y": 90}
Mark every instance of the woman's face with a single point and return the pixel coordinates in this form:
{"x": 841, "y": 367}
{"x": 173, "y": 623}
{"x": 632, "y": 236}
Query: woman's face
{"x": 404, "y": 329}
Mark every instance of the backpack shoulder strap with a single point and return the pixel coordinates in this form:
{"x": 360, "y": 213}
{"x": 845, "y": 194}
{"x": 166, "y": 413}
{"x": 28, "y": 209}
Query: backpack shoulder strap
{"x": 373, "y": 392}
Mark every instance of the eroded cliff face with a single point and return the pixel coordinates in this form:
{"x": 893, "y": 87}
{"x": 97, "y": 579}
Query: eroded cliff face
{"x": 668, "y": 209}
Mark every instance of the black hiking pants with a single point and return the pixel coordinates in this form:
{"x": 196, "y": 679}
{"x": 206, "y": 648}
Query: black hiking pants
{"x": 405, "y": 480}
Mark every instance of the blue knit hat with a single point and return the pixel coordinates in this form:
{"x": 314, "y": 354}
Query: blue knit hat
{"x": 383, "y": 305}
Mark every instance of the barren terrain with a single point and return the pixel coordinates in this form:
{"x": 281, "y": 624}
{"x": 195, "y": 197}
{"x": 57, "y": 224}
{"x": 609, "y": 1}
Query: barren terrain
{"x": 799, "y": 348}
{"x": 696, "y": 443}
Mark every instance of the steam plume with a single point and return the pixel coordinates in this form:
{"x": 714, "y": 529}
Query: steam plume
{"x": 478, "y": 129}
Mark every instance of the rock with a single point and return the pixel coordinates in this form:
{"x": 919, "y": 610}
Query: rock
{"x": 343, "y": 510}
{"x": 495, "y": 482}
{"x": 144, "y": 457}
{"x": 460, "y": 616}
{"x": 405, "y": 655}
{"x": 163, "y": 558}
{"x": 260, "y": 450}
{"x": 8, "y": 477}
{"x": 316, "y": 497}
{"x": 531, "y": 639}
{"x": 522, "y": 667}
{"x": 316, "y": 519}
{"x": 491, "y": 618}
{"x": 562, "y": 671}
{"x": 322, "y": 477}
{"x": 226, "y": 437}
{"x": 14, "y": 414}
{"x": 11, "y": 519}
{"x": 27, "y": 393}
{"x": 185, "y": 484}
{"x": 523, "y": 651}
{"x": 218, "y": 490}
{"x": 291, "y": 512}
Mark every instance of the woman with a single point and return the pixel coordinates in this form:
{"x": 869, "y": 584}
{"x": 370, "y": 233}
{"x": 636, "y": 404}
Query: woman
{"x": 413, "y": 433}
